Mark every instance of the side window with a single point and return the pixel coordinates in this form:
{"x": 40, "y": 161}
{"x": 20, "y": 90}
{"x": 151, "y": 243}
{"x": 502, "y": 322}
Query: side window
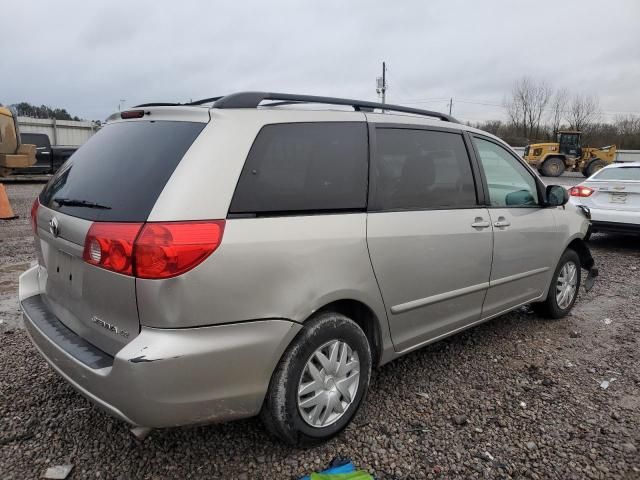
{"x": 510, "y": 183}
{"x": 421, "y": 169}
{"x": 297, "y": 167}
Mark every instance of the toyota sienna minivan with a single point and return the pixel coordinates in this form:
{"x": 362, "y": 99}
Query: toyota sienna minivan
{"x": 261, "y": 253}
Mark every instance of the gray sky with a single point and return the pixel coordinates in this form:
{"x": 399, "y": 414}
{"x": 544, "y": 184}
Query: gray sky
{"x": 87, "y": 55}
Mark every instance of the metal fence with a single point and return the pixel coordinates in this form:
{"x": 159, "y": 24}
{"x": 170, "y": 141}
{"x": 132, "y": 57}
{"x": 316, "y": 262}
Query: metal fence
{"x": 60, "y": 132}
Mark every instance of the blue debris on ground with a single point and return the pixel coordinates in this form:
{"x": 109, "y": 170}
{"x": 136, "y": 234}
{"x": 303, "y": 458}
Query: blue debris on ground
{"x": 340, "y": 469}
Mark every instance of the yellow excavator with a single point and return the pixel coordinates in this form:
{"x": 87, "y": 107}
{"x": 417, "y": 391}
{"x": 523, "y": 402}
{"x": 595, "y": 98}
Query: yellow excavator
{"x": 567, "y": 154}
{"x": 13, "y": 153}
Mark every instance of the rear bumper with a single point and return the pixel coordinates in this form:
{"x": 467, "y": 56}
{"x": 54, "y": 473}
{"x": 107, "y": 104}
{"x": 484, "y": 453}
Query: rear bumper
{"x": 606, "y": 216}
{"x": 165, "y": 377}
{"x": 616, "y": 227}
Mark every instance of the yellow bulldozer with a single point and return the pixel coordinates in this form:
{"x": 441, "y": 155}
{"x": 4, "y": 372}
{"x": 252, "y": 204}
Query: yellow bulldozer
{"x": 13, "y": 153}
{"x": 567, "y": 154}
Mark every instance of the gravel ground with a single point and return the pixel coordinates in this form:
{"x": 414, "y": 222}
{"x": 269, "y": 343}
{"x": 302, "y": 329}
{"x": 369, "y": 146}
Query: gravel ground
{"x": 518, "y": 397}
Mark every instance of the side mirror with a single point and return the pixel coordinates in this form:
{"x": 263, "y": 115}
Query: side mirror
{"x": 556, "y": 196}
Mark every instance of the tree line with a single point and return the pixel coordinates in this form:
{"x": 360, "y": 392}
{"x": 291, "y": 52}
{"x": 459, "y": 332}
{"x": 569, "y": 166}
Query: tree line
{"x": 25, "y": 109}
{"x": 535, "y": 111}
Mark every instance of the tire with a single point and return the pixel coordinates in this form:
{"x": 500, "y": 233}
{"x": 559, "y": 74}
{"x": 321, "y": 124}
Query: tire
{"x": 593, "y": 166}
{"x": 551, "y": 308}
{"x": 283, "y": 409}
{"x": 553, "y": 167}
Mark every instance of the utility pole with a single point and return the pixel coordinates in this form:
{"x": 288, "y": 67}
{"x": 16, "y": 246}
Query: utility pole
{"x": 384, "y": 81}
{"x": 381, "y": 83}
{"x": 450, "y": 105}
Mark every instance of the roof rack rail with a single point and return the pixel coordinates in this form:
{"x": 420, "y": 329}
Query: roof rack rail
{"x": 253, "y": 100}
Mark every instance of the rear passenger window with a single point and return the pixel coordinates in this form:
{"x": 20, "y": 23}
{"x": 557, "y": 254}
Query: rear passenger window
{"x": 304, "y": 167}
{"x": 421, "y": 169}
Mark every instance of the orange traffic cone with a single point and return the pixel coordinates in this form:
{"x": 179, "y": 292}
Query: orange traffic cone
{"x": 6, "y": 213}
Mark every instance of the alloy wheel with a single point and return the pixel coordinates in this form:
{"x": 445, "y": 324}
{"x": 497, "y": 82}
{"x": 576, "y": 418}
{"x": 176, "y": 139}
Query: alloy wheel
{"x": 566, "y": 285}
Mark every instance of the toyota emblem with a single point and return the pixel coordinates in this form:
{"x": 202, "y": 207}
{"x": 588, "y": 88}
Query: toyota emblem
{"x": 54, "y": 228}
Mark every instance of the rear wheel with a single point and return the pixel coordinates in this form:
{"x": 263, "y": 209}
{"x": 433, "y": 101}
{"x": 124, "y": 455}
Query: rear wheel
{"x": 593, "y": 166}
{"x": 320, "y": 381}
{"x": 564, "y": 287}
{"x": 553, "y": 167}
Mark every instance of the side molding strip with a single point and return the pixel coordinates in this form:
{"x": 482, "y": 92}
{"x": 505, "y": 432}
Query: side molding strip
{"x": 518, "y": 276}
{"x": 423, "y": 302}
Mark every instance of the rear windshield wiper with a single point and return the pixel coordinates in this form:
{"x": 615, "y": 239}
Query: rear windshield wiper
{"x": 72, "y": 202}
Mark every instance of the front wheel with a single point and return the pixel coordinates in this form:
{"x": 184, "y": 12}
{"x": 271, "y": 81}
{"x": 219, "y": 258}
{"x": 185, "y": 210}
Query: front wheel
{"x": 320, "y": 381}
{"x": 564, "y": 288}
{"x": 593, "y": 166}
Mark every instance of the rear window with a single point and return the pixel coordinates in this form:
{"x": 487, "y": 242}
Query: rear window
{"x": 119, "y": 173}
{"x": 40, "y": 140}
{"x": 619, "y": 173}
{"x": 304, "y": 167}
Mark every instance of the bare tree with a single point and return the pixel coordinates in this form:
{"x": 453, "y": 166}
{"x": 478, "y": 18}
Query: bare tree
{"x": 514, "y": 114}
{"x": 583, "y": 111}
{"x": 526, "y": 105}
{"x": 627, "y": 130}
{"x": 558, "y": 109}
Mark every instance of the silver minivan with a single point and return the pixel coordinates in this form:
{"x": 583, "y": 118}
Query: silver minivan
{"x": 260, "y": 253}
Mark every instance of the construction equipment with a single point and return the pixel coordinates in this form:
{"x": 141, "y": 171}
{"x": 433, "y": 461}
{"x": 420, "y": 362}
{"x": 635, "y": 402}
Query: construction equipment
{"x": 567, "y": 154}
{"x": 13, "y": 154}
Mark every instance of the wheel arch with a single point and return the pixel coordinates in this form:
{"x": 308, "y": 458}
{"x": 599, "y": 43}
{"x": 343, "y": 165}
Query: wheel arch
{"x": 366, "y": 319}
{"x": 579, "y": 246}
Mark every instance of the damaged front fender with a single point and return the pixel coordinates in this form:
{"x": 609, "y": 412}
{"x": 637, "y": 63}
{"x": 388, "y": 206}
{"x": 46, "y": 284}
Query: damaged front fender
{"x": 586, "y": 261}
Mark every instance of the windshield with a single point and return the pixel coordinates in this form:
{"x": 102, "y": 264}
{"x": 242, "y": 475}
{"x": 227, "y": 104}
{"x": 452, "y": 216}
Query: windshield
{"x": 119, "y": 173}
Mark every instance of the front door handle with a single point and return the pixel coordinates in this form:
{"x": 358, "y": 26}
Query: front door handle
{"x": 502, "y": 222}
{"x": 480, "y": 223}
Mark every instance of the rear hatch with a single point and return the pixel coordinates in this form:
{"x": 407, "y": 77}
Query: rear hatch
{"x": 616, "y": 188}
{"x": 116, "y": 176}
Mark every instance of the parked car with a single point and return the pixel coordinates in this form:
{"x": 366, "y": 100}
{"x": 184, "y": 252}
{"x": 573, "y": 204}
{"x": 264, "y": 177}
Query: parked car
{"x": 612, "y": 196}
{"x": 237, "y": 256}
{"x": 48, "y": 158}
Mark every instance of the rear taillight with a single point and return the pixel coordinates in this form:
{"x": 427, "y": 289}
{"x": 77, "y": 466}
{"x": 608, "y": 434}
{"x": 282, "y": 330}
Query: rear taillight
{"x": 152, "y": 250}
{"x": 165, "y": 250}
{"x": 34, "y": 215}
{"x": 580, "y": 191}
{"x": 110, "y": 246}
